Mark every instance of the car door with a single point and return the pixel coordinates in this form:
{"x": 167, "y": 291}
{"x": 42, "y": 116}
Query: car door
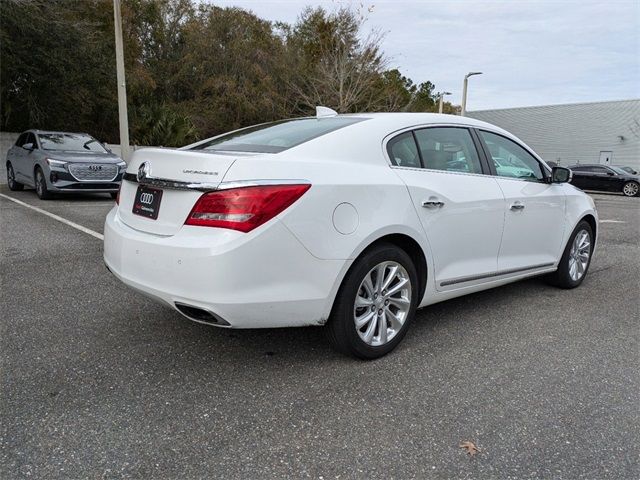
{"x": 460, "y": 206}
{"x": 608, "y": 179}
{"x": 534, "y": 210}
{"x": 16, "y": 156}
{"x": 582, "y": 177}
{"x": 30, "y": 158}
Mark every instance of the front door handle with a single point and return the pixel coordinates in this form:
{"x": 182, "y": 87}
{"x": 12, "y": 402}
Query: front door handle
{"x": 517, "y": 206}
{"x": 433, "y": 202}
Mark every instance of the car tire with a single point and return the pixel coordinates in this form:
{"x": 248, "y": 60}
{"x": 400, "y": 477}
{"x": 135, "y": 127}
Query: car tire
{"x": 631, "y": 189}
{"x": 41, "y": 185}
{"x": 573, "y": 266}
{"x": 393, "y": 305}
{"x": 11, "y": 179}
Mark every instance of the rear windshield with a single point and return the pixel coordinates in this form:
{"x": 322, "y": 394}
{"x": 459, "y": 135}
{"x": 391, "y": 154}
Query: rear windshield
{"x": 276, "y": 137}
{"x": 76, "y": 142}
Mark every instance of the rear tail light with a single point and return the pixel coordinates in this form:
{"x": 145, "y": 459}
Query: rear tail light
{"x": 244, "y": 208}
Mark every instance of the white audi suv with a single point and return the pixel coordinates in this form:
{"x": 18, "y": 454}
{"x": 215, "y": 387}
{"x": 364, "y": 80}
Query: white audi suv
{"x": 351, "y": 222}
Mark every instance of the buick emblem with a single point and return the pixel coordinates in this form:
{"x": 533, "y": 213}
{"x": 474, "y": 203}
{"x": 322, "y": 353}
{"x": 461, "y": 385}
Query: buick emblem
{"x": 144, "y": 170}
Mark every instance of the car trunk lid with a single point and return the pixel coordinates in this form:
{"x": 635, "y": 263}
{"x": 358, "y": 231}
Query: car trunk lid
{"x": 180, "y": 175}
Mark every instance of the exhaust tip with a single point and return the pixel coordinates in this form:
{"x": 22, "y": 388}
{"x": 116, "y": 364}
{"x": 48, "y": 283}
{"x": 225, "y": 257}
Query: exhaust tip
{"x": 201, "y": 315}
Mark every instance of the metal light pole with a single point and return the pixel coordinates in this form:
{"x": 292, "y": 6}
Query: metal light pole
{"x": 442, "y": 94}
{"x": 464, "y": 91}
{"x": 122, "y": 87}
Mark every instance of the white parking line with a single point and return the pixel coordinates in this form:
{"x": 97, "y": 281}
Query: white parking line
{"x": 612, "y": 221}
{"x": 97, "y": 235}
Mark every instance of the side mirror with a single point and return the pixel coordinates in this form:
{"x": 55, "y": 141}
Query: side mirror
{"x": 611, "y": 174}
{"x": 561, "y": 175}
{"x": 28, "y": 146}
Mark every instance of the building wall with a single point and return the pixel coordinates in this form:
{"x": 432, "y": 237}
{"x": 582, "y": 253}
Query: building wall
{"x": 575, "y": 133}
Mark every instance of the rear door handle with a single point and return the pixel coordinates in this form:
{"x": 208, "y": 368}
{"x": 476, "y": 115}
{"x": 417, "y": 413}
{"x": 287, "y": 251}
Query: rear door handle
{"x": 517, "y": 206}
{"x": 433, "y": 202}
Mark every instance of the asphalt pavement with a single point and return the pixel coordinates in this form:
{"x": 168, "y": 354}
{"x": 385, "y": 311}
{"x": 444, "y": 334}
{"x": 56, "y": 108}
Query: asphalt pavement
{"x": 98, "y": 381}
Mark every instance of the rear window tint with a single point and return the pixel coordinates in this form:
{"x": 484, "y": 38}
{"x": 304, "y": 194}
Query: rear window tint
{"x": 276, "y": 137}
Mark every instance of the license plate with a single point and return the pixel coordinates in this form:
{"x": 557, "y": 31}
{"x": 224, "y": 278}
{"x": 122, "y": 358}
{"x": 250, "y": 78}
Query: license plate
{"x": 147, "y": 202}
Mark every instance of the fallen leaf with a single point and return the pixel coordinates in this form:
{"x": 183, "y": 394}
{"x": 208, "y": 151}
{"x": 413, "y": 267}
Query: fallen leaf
{"x": 470, "y": 448}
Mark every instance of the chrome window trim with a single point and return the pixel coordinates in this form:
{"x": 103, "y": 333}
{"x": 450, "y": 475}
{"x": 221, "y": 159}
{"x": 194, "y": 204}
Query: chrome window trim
{"x": 413, "y": 128}
{"x": 433, "y": 170}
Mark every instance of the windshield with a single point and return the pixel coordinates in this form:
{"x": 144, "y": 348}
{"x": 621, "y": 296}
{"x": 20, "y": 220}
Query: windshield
{"x": 276, "y": 137}
{"x": 75, "y": 142}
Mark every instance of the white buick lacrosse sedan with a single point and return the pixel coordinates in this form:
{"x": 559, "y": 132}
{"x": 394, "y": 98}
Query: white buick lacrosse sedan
{"x": 347, "y": 221}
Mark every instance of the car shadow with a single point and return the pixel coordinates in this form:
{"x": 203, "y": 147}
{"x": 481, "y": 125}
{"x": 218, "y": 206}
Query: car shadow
{"x": 301, "y": 345}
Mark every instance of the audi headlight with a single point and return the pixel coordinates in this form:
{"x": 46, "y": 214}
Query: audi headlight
{"x": 56, "y": 163}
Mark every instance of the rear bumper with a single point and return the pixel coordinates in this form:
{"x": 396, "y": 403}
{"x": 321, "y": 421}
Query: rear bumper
{"x": 263, "y": 279}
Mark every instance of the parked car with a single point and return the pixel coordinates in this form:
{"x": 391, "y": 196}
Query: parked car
{"x": 63, "y": 162}
{"x": 605, "y": 178}
{"x": 346, "y": 221}
{"x": 627, "y": 169}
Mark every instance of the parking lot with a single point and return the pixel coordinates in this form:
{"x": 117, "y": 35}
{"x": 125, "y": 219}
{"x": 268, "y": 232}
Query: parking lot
{"x": 98, "y": 381}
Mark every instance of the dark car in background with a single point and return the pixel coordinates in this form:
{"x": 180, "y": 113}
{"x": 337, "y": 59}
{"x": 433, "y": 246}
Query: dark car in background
{"x": 605, "y": 178}
{"x": 63, "y": 162}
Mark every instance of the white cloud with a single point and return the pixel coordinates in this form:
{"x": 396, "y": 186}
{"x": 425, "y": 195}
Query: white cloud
{"x": 532, "y": 52}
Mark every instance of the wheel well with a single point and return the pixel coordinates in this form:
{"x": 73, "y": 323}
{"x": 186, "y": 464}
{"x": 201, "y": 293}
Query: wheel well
{"x": 414, "y": 250}
{"x": 590, "y": 219}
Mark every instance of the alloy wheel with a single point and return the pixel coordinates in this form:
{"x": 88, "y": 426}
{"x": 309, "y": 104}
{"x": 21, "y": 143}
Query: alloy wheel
{"x": 11, "y": 179}
{"x": 382, "y": 303}
{"x": 579, "y": 255}
{"x": 39, "y": 180}
{"x": 630, "y": 189}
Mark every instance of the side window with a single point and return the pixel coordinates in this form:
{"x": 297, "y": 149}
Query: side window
{"x": 403, "y": 151}
{"x": 31, "y": 138}
{"x": 22, "y": 139}
{"x": 448, "y": 148}
{"x": 510, "y": 159}
{"x": 600, "y": 170}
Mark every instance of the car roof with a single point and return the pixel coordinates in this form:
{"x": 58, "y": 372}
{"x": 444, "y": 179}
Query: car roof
{"x": 408, "y": 119}
{"x": 35, "y": 130}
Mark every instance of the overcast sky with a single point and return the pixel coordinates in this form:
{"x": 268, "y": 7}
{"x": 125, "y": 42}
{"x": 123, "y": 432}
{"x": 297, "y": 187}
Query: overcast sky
{"x": 532, "y": 52}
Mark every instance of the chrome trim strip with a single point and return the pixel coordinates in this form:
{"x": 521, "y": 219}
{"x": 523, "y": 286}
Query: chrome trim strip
{"x": 257, "y": 183}
{"x": 471, "y": 278}
{"x": 171, "y": 184}
{"x": 433, "y": 170}
{"x": 207, "y": 187}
